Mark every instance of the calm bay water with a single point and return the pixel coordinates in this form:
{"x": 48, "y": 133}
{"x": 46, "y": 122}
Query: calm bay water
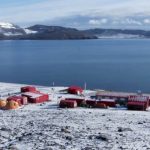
{"x": 122, "y": 65}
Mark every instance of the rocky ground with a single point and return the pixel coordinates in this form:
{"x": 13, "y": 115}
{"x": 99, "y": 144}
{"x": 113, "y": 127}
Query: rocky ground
{"x": 51, "y": 128}
{"x": 47, "y": 127}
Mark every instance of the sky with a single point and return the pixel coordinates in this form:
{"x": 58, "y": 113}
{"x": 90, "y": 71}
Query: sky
{"x": 134, "y": 14}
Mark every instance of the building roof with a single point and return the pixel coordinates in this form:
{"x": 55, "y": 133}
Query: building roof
{"x": 33, "y": 94}
{"x": 107, "y": 100}
{"x": 75, "y": 88}
{"x": 118, "y": 94}
{"x": 115, "y": 94}
{"x": 15, "y": 97}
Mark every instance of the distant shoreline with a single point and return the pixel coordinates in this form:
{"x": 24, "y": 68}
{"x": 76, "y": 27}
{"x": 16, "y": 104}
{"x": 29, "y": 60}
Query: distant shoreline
{"x": 10, "y": 31}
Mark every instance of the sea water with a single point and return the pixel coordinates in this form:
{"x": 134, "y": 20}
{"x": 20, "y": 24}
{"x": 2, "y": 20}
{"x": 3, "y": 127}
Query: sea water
{"x": 111, "y": 64}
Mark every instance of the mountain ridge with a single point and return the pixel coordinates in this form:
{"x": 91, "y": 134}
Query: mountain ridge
{"x": 10, "y": 31}
{"x": 100, "y": 32}
{"x": 42, "y": 32}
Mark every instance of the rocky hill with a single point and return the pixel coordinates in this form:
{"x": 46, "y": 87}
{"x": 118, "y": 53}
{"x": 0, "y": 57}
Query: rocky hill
{"x": 118, "y": 33}
{"x": 9, "y": 31}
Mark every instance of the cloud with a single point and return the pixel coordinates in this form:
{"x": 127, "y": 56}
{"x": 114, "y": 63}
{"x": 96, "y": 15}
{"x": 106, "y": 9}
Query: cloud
{"x": 98, "y": 22}
{"x": 130, "y": 21}
{"x": 98, "y": 12}
{"x": 146, "y": 21}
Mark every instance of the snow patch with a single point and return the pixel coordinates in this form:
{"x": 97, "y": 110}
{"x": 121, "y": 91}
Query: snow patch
{"x": 12, "y": 34}
{"x": 119, "y": 36}
{"x": 27, "y": 31}
{"x": 7, "y": 25}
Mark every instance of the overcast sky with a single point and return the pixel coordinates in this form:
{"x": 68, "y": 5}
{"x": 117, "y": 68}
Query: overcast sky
{"x": 78, "y": 13}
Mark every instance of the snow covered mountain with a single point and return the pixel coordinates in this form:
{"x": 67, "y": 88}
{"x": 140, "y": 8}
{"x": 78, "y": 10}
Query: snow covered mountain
{"x": 8, "y": 29}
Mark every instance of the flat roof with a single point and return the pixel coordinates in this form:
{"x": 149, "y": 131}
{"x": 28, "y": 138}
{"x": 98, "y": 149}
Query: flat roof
{"x": 117, "y": 94}
{"x": 33, "y": 95}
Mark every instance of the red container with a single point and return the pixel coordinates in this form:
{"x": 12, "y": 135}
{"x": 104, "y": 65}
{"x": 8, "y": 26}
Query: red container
{"x": 91, "y": 103}
{"x": 19, "y": 99}
{"x": 108, "y": 102}
{"x": 100, "y": 105}
{"x": 28, "y": 89}
{"x": 36, "y": 97}
{"x": 75, "y": 90}
{"x": 137, "y": 105}
{"x": 138, "y": 102}
{"x": 67, "y": 104}
{"x": 79, "y": 101}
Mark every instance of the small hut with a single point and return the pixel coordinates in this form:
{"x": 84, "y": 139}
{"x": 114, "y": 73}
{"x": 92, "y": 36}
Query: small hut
{"x": 138, "y": 102}
{"x": 67, "y": 104}
{"x": 2, "y": 103}
{"x": 75, "y": 90}
{"x": 19, "y": 99}
{"x": 91, "y": 103}
{"x": 107, "y": 102}
{"x": 28, "y": 89}
{"x": 36, "y": 97}
{"x": 11, "y": 105}
{"x": 79, "y": 101}
{"x": 100, "y": 105}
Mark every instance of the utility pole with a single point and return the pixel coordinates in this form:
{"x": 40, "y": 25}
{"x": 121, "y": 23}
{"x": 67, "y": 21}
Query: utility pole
{"x": 85, "y": 86}
{"x": 53, "y": 84}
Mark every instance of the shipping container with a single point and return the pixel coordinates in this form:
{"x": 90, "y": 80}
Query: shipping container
{"x": 67, "y": 104}
{"x": 138, "y": 102}
{"x": 78, "y": 100}
{"x": 100, "y": 105}
{"x": 91, "y": 103}
{"x": 108, "y": 102}
{"x": 19, "y": 99}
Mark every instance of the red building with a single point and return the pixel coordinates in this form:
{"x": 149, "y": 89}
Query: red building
{"x": 103, "y": 103}
{"x": 91, "y": 103}
{"x": 100, "y": 105}
{"x": 138, "y": 102}
{"x": 36, "y": 97}
{"x": 67, "y": 104}
{"x": 75, "y": 90}
{"x": 19, "y": 99}
{"x": 112, "y": 95}
{"x": 28, "y": 89}
{"x": 107, "y": 102}
{"x": 78, "y": 100}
